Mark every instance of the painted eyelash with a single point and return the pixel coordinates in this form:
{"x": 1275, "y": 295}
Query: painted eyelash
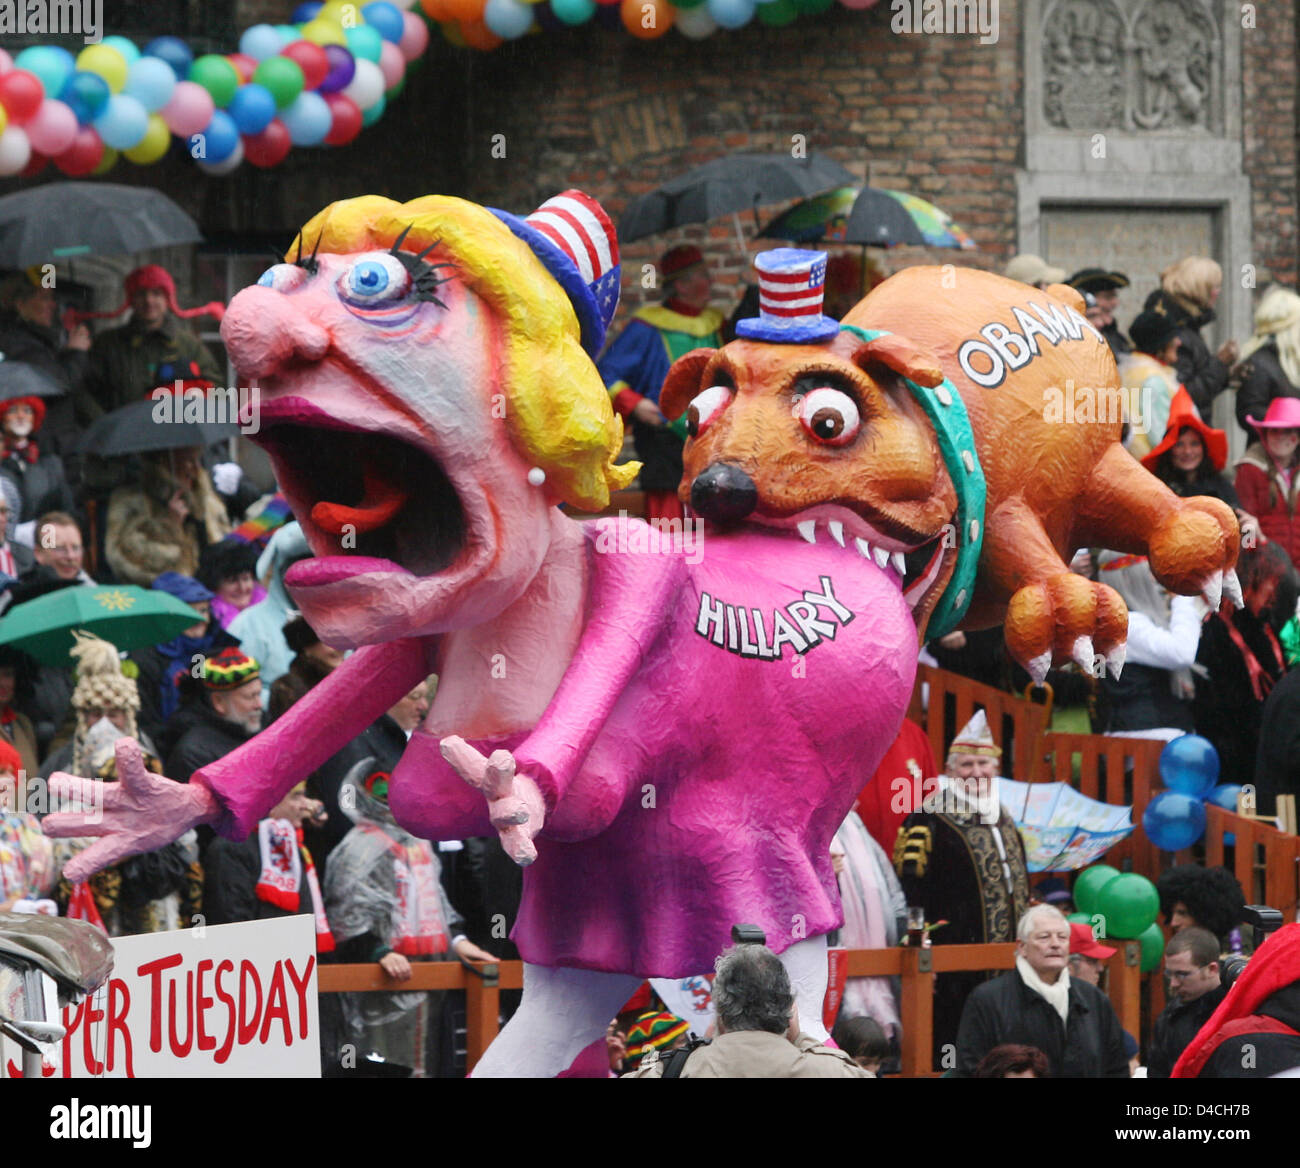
{"x": 309, "y": 265}
{"x": 424, "y": 275}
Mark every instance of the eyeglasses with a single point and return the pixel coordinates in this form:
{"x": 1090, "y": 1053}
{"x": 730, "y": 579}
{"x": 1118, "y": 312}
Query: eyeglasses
{"x": 1180, "y": 974}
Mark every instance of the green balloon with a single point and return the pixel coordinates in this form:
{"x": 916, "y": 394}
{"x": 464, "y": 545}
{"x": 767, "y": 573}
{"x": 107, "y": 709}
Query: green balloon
{"x": 1128, "y": 904}
{"x": 679, "y": 3}
{"x": 1089, "y": 883}
{"x": 374, "y": 113}
{"x": 282, "y": 78}
{"x": 1152, "y": 940}
{"x": 1080, "y": 919}
{"x": 218, "y": 76}
{"x": 778, "y": 13}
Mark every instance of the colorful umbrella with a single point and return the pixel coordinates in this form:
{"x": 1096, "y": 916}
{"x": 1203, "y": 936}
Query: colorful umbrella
{"x": 124, "y": 615}
{"x": 870, "y": 216}
{"x": 1061, "y": 829}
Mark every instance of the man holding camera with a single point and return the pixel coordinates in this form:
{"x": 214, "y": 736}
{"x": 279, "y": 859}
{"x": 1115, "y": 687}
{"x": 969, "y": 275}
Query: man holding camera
{"x": 1195, "y": 988}
{"x": 758, "y": 1034}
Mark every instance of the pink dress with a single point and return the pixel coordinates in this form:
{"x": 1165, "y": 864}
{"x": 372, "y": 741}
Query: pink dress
{"x": 694, "y": 768}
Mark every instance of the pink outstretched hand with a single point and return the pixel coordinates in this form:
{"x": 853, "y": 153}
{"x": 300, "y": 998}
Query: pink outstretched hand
{"x": 515, "y": 805}
{"x": 139, "y": 813}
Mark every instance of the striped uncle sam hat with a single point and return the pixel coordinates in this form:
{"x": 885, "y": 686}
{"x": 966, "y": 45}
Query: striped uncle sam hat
{"x": 791, "y": 286}
{"x": 577, "y": 244}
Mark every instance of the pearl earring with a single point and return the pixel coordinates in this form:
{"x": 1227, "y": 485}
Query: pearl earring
{"x": 537, "y": 476}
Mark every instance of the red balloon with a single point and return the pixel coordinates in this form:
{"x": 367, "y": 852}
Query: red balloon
{"x": 270, "y": 146}
{"x": 311, "y": 59}
{"x": 244, "y": 66}
{"x": 35, "y": 164}
{"x": 347, "y": 119}
{"x": 83, "y": 155}
{"x": 21, "y": 93}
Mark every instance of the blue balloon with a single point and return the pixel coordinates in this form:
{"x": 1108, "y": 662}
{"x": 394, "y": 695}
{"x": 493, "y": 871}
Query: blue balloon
{"x": 150, "y": 81}
{"x": 46, "y": 64}
{"x": 174, "y": 51}
{"x": 125, "y": 46}
{"x": 123, "y": 122}
{"x": 305, "y": 12}
{"x": 385, "y": 19}
{"x": 1190, "y": 764}
{"x": 509, "y": 19}
{"x": 260, "y": 41}
{"x": 252, "y": 108}
{"x": 1225, "y": 796}
{"x": 731, "y": 13}
{"x": 86, "y": 94}
{"x": 308, "y": 119}
{"x": 220, "y": 138}
{"x": 1174, "y": 821}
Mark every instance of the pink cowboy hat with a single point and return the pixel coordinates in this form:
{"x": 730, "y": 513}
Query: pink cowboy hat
{"x": 1283, "y": 414}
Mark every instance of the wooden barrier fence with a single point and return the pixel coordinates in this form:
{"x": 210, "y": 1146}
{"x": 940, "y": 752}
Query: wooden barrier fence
{"x": 917, "y": 969}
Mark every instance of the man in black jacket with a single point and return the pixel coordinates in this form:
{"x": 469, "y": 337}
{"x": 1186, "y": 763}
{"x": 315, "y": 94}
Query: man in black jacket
{"x": 1038, "y": 1004}
{"x": 1192, "y": 964}
{"x": 230, "y": 715}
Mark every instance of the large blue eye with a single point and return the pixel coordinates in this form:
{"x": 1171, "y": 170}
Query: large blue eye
{"x": 376, "y": 278}
{"x": 282, "y": 277}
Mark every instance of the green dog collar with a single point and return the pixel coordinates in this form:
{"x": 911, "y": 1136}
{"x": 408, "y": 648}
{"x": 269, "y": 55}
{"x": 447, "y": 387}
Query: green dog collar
{"x": 947, "y": 413}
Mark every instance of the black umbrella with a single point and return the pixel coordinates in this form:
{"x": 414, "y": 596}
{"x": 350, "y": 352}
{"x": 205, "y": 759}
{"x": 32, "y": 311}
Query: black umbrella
{"x": 62, "y": 220}
{"x": 158, "y": 425}
{"x": 19, "y": 379}
{"x": 737, "y": 182}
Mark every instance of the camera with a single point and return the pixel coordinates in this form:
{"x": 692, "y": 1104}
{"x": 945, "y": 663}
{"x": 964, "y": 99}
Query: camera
{"x": 753, "y": 935}
{"x": 1263, "y": 920}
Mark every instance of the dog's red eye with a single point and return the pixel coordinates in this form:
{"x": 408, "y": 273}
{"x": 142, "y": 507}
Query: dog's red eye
{"x": 830, "y": 416}
{"x": 705, "y": 407}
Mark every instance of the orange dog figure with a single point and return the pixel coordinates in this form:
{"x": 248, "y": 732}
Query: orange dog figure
{"x": 963, "y": 430}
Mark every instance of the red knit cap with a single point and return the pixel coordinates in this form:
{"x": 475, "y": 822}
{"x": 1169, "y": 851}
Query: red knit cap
{"x": 10, "y": 759}
{"x": 155, "y": 276}
{"x": 38, "y": 408}
{"x": 679, "y": 259}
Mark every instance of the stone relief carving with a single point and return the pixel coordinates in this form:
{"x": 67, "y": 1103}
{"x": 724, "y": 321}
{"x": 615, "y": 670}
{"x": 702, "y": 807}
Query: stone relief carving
{"x": 1151, "y": 67}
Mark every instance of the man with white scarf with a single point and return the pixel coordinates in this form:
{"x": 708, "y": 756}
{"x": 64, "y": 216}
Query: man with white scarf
{"x": 1038, "y": 1004}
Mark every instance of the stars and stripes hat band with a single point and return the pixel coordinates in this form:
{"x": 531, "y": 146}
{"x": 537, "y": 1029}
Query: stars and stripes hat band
{"x": 576, "y": 242}
{"x": 791, "y": 288}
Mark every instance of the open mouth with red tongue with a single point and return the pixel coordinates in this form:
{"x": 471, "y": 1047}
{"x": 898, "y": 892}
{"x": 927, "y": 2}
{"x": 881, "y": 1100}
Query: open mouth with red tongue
{"x": 369, "y": 495}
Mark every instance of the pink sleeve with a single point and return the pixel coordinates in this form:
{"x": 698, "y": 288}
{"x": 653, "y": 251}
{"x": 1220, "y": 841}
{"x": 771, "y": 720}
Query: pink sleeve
{"x": 628, "y": 600}
{"x": 252, "y": 779}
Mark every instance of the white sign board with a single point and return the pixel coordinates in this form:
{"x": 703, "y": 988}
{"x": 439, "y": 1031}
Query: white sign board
{"x": 226, "y": 1001}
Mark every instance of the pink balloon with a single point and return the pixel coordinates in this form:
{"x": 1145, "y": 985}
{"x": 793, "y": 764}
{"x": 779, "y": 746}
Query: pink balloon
{"x": 53, "y": 128}
{"x": 189, "y": 110}
{"x": 7, "y": 62}
{"x": 415, "y": 36}
{"x": 391, "y": 64}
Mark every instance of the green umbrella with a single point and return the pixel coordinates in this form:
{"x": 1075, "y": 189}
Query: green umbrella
{"x": 125, "y": 616}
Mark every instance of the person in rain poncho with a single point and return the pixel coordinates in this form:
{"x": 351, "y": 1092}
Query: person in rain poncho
{"x": 385, "y": 902}
{"x": 260, "y": 627}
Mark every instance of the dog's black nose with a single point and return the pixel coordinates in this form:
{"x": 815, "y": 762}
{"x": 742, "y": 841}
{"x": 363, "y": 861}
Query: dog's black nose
{"x": 723, "y": 493}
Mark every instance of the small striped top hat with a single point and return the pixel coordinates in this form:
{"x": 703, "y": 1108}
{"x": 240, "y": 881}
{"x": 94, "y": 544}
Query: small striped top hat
{"x": 577, "y": 244}
{"x": 791, "y": 285}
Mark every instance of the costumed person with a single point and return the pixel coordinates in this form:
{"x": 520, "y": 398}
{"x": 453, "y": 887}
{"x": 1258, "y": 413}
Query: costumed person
{"x": 260, "y": 627}
{"x": 1255, "y": 1032}
{"x": 27, "y": 870}
{"x": 123, "y": 361}
{"x": 157, "y": 891}
{"x": 461, "y": 552}
{"x": 1150, "y": 371}
{"x": 38, "y": 474}
{"x": 1152, "y": 697}
{"x": 1270, "y": 360}
{"x": 164, "y": 670}
{"x": 1268, "y": 475}
{"x": 960, "y": 858}
{"x": 1105, "y": 288}
{"x": 873, "y": 905}
{"x": 162, "y": 523}
{"x": 1207, "y": 898}
{"x": 1188, "y": 291}
{"x": 385, "y": 903}
{"x": 228, "y": 567}
{"x": 635, "y": 365}
{"x": 1241, "y": 661}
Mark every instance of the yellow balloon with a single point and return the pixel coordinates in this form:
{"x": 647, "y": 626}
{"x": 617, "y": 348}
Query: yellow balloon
{"x": 107, "y": 162}
{"x": 340, "y": 12}
{"x": 157, "y": 138}
{"x": 324, "y": 32}
{"x": 107, "y": 62}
